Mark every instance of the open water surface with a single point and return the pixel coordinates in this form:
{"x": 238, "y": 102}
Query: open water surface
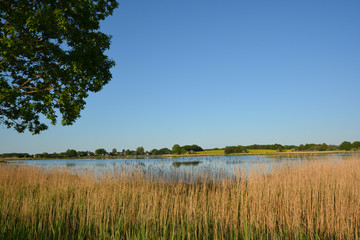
{"x": 188, "y": 167}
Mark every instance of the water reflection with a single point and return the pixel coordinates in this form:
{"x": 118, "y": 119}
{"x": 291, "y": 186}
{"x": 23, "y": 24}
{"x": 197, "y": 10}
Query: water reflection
{"x": 189, "y": 163}
{"x": 70, "y": 164}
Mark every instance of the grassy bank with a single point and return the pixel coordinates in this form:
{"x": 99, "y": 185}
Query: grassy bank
{"x": 318, "y": 199}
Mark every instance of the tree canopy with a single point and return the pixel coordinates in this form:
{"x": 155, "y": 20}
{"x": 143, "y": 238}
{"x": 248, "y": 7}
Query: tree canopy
{"x": 235, "y": 149}
{"x": 345, "y": 145}
{"x": 100, "y": 151}
{"x": 51, "y": 57}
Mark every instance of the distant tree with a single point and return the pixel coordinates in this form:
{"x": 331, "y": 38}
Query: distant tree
{"x": 165, "y": 151}
{"x": 82, "y": 153}
{"x": 19, "y": 155}
{"x": 332, "y": 147}
{"x": 155, "y": 152}
{"x": 140, "y": 151}
{"x": 71, "y": 153}
{"x": 323, "y": 147}
{"x": 176, "y": 149}
{"x": 308, "y": 147}
{"x": 355, "y": 145}
{"x": 161, "y": 151}
{"x": 62, "y": 155}
{"x": 183, "y": 150}
{"x": 100, "y": 151}
{"x": 194, "y": 148}
{"x": 301, "y": 147}
{"x": 345, "y": 146}
{"x": 128, "y": 152}
{"x": 235, "y": 149}
{"x": 114, "y": 152}
{"x": 277, "y": 147}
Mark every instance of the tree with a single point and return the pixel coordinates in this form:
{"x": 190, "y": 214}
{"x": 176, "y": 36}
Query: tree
{"x": 155, "y": 152}
{"x": 235, "y": 149}
{"x": 71, "y": 153}
{"x": 355, "y": 145}
{"x": 100, "y": 151}
{"x": 165, "y": 151}
{"x": 140, "y": 151}
{"x": 176, "y": 149}
{"x": 129, "y": 152}
{"x": 51, "y": 57}
{"x": 345, "y": 146}
{"x": 114, "y": 152}
{"x": 193, "y": 147}
{"x": 323, "y": 147}
{"x": 82, "y": 153}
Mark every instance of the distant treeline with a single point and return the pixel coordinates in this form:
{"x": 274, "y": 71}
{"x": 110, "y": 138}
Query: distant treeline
{"x": 187, "y": 149}
{"x": 235, "y": 149}
{"x": 16, "y": 155}
{"x": 347, "y": 146}
{"x": 271, "y": 146}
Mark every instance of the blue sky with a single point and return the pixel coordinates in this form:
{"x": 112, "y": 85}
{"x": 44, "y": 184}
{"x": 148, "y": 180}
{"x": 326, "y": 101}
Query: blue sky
{"x": 217, "y": 73}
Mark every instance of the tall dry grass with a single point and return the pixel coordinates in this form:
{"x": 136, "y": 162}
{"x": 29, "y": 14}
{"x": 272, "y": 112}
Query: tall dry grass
{"x": 315, "y": 199}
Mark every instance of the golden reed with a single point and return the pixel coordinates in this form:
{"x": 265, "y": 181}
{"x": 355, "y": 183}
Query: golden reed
{"x": 312, "y": 199}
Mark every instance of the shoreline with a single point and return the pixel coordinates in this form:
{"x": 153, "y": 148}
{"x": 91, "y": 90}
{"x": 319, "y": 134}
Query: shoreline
{"x": 198, "y": 154}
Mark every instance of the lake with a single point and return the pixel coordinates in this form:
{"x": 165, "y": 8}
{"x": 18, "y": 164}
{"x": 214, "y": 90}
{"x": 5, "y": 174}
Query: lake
{"x": 187, "y": 168}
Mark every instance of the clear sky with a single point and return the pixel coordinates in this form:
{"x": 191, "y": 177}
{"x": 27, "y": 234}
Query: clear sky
{"x": 217, "y": 73}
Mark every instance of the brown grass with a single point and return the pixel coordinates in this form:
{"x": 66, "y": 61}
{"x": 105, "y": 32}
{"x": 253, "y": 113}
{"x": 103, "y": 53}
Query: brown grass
{"x": 314, "y": 199}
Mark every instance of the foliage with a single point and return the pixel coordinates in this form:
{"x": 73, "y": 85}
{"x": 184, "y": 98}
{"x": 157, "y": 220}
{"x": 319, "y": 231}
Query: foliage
{"x": 355, "y": 145}
{"x": 129, "y": 152}
{"x": 114, "y": 152}
{"x": 235, "y": 149}
{"x": 345, "y": 146}
{"x": 316, "y": 147}
{"x": 176, "y": 149}
{"x": 140, "y": 151}
{"x": 275, "y": 146}
{"x": 82, "y": 153}
{"x": 71, "y": 153}
{"x": 193, "y": 147}
{"x": 100, "y": 151}
{"x": 14, "y": 155}
{"x": 51, "y": 57}
{"x": 161, "y": 151}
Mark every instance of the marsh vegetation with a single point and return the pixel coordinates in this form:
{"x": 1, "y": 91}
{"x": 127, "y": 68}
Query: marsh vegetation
{"x": 312, "y": 199}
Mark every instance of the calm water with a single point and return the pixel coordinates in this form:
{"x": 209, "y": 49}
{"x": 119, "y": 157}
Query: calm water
{"x": 215, "y": 166}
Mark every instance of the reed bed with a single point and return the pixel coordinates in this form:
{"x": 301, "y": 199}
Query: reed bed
{"x": 314, "y": 199}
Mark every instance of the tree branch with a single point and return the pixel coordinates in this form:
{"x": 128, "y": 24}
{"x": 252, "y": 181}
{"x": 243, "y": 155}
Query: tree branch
{"x": 32, "y": 79}
{"x": 36, "y": 91}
